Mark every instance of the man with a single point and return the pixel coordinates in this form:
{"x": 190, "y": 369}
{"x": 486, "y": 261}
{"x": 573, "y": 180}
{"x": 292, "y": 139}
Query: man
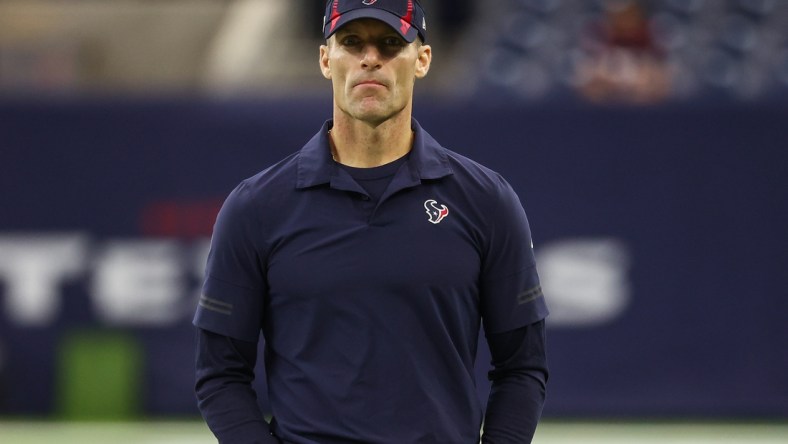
{"x": 368, "y": 260}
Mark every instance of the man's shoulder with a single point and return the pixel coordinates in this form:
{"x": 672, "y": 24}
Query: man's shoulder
{"x": 470, "y": 172}
{"x": 279, "y": 176}
{"x": 275, "y": 180}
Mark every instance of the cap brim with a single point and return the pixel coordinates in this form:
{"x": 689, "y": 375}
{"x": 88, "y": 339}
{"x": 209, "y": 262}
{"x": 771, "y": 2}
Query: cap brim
{"x": 388, "y": 18}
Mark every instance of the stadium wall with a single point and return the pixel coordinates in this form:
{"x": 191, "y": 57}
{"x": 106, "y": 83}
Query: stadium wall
{"x": 660, "y": 235}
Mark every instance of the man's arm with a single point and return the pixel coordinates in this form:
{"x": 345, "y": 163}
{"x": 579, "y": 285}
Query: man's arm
{"x": 519, "y": 377}
{"x": 225, "y": 371}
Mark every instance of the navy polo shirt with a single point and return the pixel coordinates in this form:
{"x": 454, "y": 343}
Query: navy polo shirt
{"x": 371, "y": 309}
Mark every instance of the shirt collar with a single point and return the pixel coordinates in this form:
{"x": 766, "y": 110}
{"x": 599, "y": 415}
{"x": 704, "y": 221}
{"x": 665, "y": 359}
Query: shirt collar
{"x": 427, "y": 159}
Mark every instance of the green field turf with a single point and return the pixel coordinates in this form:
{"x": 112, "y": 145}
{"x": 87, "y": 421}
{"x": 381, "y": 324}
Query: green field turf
{"x": 549, "y": 432}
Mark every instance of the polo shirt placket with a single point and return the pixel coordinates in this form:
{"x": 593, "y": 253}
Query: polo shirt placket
{"x": 315, "y": 163}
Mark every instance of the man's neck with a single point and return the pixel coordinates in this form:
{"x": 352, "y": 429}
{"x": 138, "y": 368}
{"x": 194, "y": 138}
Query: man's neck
{"x": 362, "y": 145}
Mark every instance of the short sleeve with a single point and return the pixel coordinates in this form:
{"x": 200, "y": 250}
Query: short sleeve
{"x": 511, "y": 295}
{"x": 234, "y": 289}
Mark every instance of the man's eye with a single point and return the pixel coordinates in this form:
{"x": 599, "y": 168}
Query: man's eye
{"x": 350, "y": 41}
{"x": 393, "y": 41}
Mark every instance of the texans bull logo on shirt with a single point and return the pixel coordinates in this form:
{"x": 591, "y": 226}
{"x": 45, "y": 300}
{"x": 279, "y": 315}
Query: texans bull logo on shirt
{"x": 435, "y": 213}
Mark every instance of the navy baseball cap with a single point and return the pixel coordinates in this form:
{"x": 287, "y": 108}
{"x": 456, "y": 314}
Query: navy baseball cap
{"x": 406, "y": 16}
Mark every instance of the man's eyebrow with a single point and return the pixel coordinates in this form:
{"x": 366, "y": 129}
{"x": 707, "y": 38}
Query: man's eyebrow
{"x": 353, "y": 29}
{"x": 348, "y": 28}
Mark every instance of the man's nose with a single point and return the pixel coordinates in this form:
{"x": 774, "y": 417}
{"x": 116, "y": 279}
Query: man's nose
{"x": 370, "y": 57}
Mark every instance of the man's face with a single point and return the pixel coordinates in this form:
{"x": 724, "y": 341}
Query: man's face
{"x": 372, "y": 69}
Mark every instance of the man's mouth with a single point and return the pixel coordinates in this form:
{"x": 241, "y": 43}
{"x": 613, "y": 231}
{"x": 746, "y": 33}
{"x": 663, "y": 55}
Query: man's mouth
{"x": 369, "y": 83}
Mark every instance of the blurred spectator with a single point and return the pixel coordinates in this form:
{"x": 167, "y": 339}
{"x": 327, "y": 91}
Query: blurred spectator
{"x": 453, "y": 16}
{"x": 623, "y": 63}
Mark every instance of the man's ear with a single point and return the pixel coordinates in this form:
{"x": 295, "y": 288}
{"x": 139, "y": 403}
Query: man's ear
{"x": 325, "y": 67}
{"x": 423, "y": 61}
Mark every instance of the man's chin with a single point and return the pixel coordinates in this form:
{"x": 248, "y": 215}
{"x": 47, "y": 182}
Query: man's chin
{"x": 373, "y": 115}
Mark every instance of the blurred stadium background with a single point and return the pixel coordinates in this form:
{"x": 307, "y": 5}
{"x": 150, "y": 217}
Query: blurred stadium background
{"x": 646, "y": 138}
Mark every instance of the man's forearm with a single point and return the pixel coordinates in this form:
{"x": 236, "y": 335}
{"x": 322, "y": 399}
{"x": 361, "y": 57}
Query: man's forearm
{"x": 518, "y": 380}
{"x": 513, "y": 411}
{"x": 227, "y": 401}
{"x": 233, "y": 416}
